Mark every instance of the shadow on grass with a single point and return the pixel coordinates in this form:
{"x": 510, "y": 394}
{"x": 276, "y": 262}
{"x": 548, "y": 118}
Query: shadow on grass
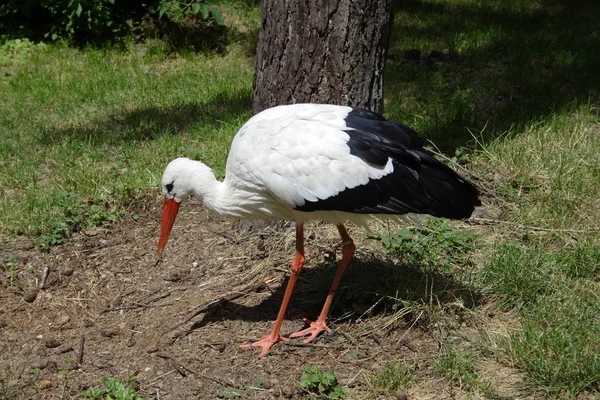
{"x": 370, "y": 287}
{"x": 149, "y": 123}
{"x": 499, "y": 65}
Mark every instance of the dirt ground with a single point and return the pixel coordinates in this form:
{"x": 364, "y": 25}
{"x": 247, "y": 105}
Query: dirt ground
{"x": 108, "y": 308}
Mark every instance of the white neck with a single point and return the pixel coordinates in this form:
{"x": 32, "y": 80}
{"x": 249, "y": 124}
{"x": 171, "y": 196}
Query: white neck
{"x": 219, "y": 197}
{"x": 231, "y": 197}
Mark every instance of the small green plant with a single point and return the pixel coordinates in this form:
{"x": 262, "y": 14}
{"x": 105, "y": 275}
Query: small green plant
{"x": 177, "y": 10}
{"x": 390, "y": 378}
{"x": 74, "y": 216}
{"x": 227, "y": 394}
{"x": 88, "y": 17}
{"x": 460, "y": 366}
{"x": 84, "y": 21}
{"x": 9, "y": 266}
{"x": 17, "y": 49}
{"x": 436, "y": 245}
{"x": 10, "y": 262}
{"x": 63, "y": 373}
{"x": 114, "y": 389}
{"x": 321, "y": 383}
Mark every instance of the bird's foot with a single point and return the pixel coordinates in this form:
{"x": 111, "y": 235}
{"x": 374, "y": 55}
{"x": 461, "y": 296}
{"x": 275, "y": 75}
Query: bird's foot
{"x": 265, "y": 343}
{"x": 315, "y": 327}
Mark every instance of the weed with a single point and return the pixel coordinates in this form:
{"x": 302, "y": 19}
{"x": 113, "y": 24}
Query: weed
{"x": 17, "y": 50}
{"x": 74, "y": 216}
{"x": 390, "y": 378}
{"x": 517, "y": 273}
{"x": 227, "y": 394}
{"x": 10, "y": 262}
{"x": 114, "y": 389}
{"x": 438, "y": 245}
{"x": 321, "y": 383}
{"x": 460, "y": 366}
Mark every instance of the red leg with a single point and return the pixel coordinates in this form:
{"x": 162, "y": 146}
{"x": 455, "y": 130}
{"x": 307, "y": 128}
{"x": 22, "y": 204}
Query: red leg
{"x": 319, "y": 325}
{"x": 269, "y": 340}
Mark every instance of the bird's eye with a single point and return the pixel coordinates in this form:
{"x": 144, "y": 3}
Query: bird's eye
{"x": 169, "y": 186}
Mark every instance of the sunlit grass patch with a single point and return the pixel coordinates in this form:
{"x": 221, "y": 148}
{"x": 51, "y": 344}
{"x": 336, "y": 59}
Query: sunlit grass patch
{"x": 390, "y": 378}
{"x": 549, "y": 172}
{"x": 459, "y": 366}
{"x": 103, "y": 125}
{"x": 555, "y": 290}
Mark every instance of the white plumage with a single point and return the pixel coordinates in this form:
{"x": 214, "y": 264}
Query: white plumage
{"x": 297, "y": 153}
{"x": 310, "y": 161}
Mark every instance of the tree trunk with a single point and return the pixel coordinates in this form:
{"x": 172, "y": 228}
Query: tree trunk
{"x": 322, "y": 51}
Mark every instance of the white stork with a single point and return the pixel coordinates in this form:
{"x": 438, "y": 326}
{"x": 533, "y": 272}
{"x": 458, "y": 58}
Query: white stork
{"x": 314, "y": 161}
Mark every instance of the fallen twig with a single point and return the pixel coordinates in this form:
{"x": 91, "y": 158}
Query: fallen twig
{"x": 490, "y": 221}
{"x": 226, "y": 235}
{"x": 145, "y": 304}
{"x": 45, "y": 273}
{"x": 162, "y": 376}
{"x": 80, "y": 357}
{"x": 179, "y": 367}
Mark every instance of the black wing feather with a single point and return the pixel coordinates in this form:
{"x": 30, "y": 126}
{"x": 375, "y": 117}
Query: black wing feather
{"x": 419, "y": 184}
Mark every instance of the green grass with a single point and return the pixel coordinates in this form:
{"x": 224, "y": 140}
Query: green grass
{"x": 460, "y": 366}
{"x": 390, "y": 379}
{"x": 508, "y": 65}
{"x": 519, "y": 89}
{"x": 555, "y": 291}
{"x": 85, "y": 134}
{"x": 114, "y": 389}
{"x": 321, "y": 384}
{"x": 95, "y": 128}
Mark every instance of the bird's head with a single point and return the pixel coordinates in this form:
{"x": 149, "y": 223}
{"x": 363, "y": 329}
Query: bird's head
{"x": 178, "y": 182}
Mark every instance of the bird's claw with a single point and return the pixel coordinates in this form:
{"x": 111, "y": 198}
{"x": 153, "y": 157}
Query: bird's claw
{"x": 315, "y": 327}
{"x": 265, "y": 343}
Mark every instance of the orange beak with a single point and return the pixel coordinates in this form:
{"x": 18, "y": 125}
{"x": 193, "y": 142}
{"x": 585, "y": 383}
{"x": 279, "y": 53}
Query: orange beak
{"x": 169, "y": 212}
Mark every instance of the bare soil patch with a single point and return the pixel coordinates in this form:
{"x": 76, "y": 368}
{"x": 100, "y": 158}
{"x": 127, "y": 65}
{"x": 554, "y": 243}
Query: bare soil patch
{"x": 176, "y": 324}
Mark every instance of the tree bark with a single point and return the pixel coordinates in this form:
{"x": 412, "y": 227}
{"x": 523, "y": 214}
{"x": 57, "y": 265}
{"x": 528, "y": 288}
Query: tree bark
{"x": 322, "y": 51}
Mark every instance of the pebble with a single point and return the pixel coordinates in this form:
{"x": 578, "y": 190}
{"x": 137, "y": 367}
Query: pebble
{"x": 481, "y": 213}
{"x": 176, "y": 274}
{"x": 44, "y": 384}
{"x": 41, "y": 352}
{"x": 109, "y": 333}
{"x": 68, "y": 271}
{"x": 51, "y": 343}
{"x": 30, "y": 295}
{"x": 88, "y": 323}
{"x": 287, "y": 392}
{"x": 64, "y": 349}
{"x": 52, "y": 366}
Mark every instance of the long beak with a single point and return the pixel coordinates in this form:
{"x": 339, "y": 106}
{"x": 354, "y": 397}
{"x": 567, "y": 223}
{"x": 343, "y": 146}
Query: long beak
{"x": 169, "y": 212}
